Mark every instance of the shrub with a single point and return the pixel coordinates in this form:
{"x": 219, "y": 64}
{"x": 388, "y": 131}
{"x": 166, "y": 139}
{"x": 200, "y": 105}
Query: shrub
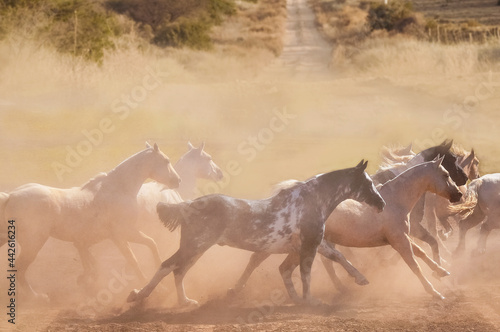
{"x": 193, "y": 34}
{"x": 395, "y": 15}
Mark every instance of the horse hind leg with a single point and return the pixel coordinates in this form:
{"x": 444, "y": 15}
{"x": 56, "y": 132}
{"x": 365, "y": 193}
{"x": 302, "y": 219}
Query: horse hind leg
{"x": 189, "y": 252}
{"x": 29, "y": 252}
{"x": 255, "y": 260}
{"x": 330, "y": 253}
{"x": 165, "y": 268}
{"x": 486, "y": 228}
{"x": 474, "y": 219}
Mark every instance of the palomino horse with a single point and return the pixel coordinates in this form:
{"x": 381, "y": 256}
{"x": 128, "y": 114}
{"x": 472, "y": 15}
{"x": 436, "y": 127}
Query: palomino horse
{"x": 194, "y": 164}
{"x": 291, "y": 220}
{"x": 438, "y": 209}
{"x": 103, "y": 208}
{"x": 353, "y": 224}
{"x": 457, "y": 174}
{"x": 482, "y": 203}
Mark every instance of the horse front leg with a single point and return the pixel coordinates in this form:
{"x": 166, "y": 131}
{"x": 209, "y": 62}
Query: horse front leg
{"x": 439, "y": 271}
{"x": 311, "y": 237}
{"x": 127, "y": 252}
{"x": 286, "y": 270}
{"x": 141, "y": 238}
{"x": 255, "y": 260}
{"x": 402, "y": 244}
{"x": 418, "y": 231}
{"x": 89, "y": 264}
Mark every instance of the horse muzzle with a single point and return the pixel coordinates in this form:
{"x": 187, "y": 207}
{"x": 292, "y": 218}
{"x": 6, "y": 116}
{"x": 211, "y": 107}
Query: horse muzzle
{"x": 455, "y": 197}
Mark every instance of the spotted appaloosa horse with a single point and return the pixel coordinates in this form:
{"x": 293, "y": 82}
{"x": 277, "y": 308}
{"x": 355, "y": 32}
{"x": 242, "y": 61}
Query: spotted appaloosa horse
{"x": 290, "y": 221}
{"x": 353, "y": 224}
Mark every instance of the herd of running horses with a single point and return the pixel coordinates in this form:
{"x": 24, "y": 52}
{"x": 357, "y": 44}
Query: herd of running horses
{"x": 302, "y": 218}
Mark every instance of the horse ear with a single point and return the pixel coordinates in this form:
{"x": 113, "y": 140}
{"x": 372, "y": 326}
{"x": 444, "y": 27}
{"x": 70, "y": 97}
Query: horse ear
{"x": 438, "y": 161}
{"x": 472, "y": 154}
{"x": 407, "y": 150}
{"x": 148, "y": 145}
{"x": 360, "y": 164}
{"x": 447, "y": 144}
{"x": 190, "y": 146}
{"x": 156, "y": 147}
{"x": 365, "y": 165}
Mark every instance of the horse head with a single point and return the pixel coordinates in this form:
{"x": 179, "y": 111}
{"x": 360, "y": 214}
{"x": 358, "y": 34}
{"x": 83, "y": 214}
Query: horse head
{"x": 441, "y": 182}
{"x": 161, "y": 167}
{"x": 204, "y": 166}
{"x": 364, "y": 189}
{"x": 470, "y": 165}
{"x": 449, "y": 162}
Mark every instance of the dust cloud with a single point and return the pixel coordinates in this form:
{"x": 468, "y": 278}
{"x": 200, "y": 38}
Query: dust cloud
{"x": 281, "y": 118}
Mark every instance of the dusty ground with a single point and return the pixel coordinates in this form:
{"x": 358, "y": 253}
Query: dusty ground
{"x": 336, "y": 122}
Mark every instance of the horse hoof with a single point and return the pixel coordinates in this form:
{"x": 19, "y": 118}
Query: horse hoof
{"x": 313, "y": 302}
{"x": 362, "y": 282}
{"x": 132, "y": 297}
{"x": 190, "y": 303}
{"x": 231, "y": 292}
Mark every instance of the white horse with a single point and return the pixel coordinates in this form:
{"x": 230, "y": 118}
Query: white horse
{"x": 194, "y": 164}
{"x": 482, "y": 205}
{"x": 103, "y": 208}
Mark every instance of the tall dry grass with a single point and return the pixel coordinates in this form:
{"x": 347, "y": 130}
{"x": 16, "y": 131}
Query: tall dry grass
{"x": 361, "y": 51}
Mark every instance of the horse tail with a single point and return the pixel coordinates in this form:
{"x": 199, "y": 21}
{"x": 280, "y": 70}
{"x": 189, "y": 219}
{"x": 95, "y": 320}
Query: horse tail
{"x": 466, "y": 208}
{"x": 173, "y": 215}
{"x": 4, "y": 197}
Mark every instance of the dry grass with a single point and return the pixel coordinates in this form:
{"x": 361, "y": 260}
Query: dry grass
{"x": 257, "y": 26}
{"x": 433, "y": 49}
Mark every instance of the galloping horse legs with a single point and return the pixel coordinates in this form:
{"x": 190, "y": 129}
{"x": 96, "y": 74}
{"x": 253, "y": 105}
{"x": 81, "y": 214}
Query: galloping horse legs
{"x": 475, "y": 218}
{"x": 30, "y": 249}
{"x": 255, "y": 260}
{"x": 486, "y": 228}
{"x": 418, "y": 231}
{"x": 286, "y": 269}
{"x": 402, "y": 244}
{"x": 88, "y": 263}
{"x": 330, "y": 253}
{"x": 419, "y": 252}
{"x": 141, "y": 238}
{"x": 124, "y": 248}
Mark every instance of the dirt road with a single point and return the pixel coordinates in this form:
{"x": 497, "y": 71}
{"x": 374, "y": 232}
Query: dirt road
{"x": 306, "y": 54}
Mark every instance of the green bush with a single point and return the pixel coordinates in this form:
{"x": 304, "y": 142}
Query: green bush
{"x": 391, "y": 16}
{"x": 193, "y": 34}
{"x": 78, "y": 27}
{"x": 217, "y": 9}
